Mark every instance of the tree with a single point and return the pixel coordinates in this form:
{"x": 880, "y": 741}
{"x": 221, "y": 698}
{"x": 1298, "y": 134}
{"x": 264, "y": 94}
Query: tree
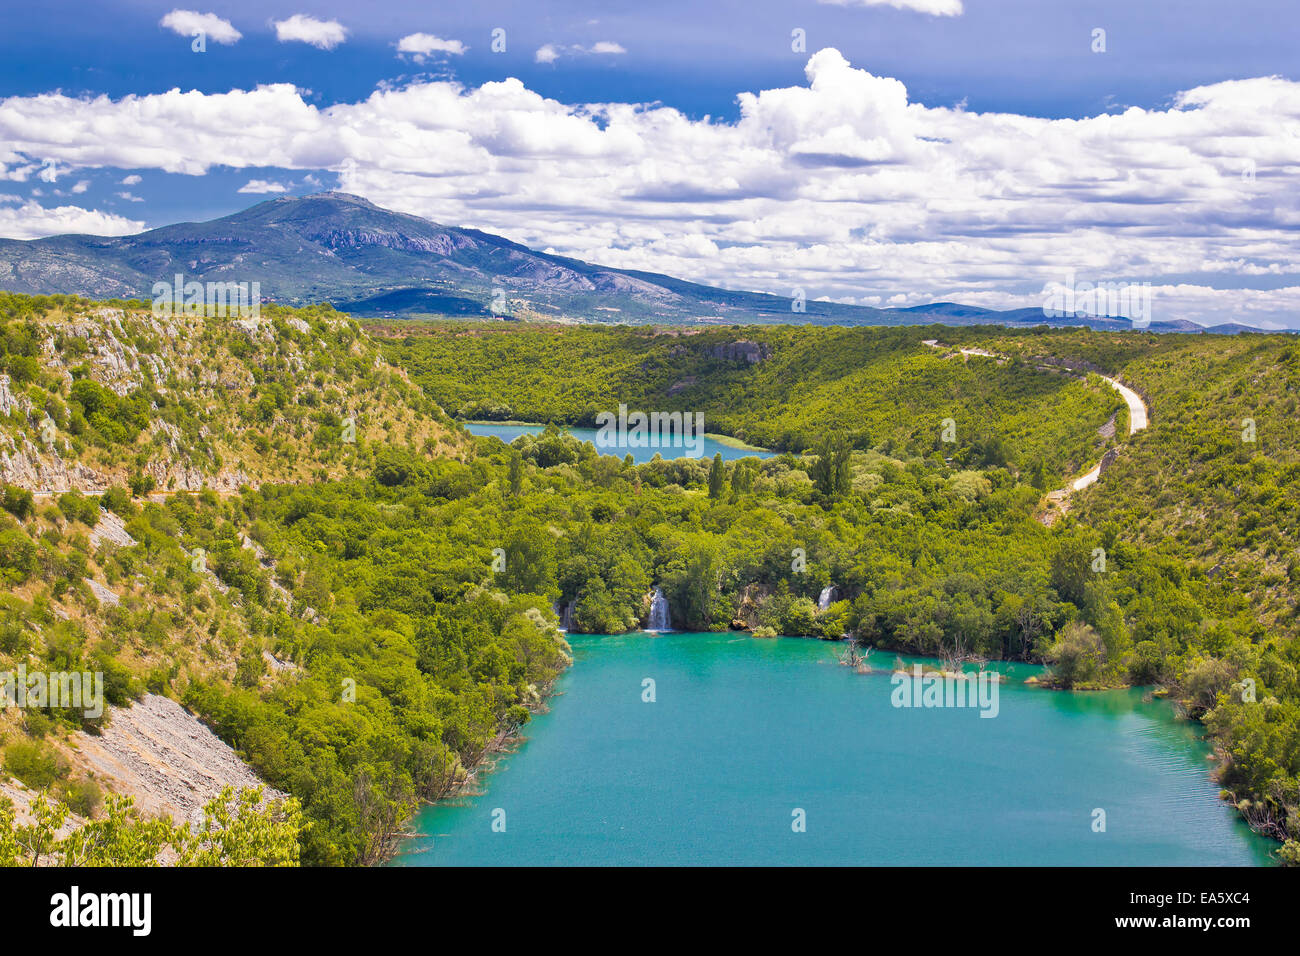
{"x": 530, "y": 563}
{"x": 830, "y": 473}
{"x": 237, "y": 830}
{"x": 742, "y": 480}
{"x": 516, "y": 473}
{"x": 1077, "y": 655}
{"x": 717, "y": 477}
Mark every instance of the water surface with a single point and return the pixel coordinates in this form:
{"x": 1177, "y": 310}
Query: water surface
{"x": 711, "y": 446}
{"x": 744, "y": 731}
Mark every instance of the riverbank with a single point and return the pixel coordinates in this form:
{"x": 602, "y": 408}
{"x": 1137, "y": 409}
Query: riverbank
{"x": 504, "y": 742}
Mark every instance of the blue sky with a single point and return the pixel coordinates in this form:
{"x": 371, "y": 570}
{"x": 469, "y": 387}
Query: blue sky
{"x": 833, "y": 182}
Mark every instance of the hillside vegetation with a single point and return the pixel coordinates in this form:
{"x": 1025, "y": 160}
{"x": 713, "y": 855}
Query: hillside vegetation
{"x": 1195, "y": 522}
{"x": 780, "y": 387}
{"x": 93, "y": 395}
{"x": 366, "y": 627}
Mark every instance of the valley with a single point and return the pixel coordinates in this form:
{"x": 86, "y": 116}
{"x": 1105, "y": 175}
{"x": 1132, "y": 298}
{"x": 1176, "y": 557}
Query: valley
{"x": 368, "y": 623}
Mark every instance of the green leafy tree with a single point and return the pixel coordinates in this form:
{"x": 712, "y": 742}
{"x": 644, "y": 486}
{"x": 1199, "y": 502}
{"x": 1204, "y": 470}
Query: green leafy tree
{"x": 717, "y": 476}
{"x": 830, "y": 472}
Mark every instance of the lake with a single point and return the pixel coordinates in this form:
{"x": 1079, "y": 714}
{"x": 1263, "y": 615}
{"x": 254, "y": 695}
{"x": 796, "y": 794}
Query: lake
{"x": 508, "y": 433}
{"x": 745, "y": 731}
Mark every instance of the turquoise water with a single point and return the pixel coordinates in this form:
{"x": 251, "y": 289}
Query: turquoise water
{"x": 744, "y": 731}
{"x": 508, "y": 433}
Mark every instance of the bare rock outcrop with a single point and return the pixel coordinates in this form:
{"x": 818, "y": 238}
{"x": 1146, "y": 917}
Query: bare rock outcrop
{"x": 164, "y": 756}
{"x": 741, "y": 351}
{"x": 110, "y": 528}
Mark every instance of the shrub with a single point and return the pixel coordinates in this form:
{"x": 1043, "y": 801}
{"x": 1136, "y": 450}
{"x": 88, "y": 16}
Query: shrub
{"x": 1077, "y": 655}
{"x": 35, "y": 763}
{"x": 17, "y": 556}
{"x": 17, "y": 501}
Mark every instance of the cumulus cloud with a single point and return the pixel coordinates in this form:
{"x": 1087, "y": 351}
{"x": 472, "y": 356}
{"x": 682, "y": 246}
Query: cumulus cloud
{"x": 550, "y": 52}
{"x": 33, "y": 221}
{"x": 262, "y": 186}
{"x": 937, "y": 8}
{"x": 420, "y": 46}
{"x": 189, "y": 22}
{"x": 132, "y": 180}
{"x": 841, "y": 186}
{"x": 300, "y": 28}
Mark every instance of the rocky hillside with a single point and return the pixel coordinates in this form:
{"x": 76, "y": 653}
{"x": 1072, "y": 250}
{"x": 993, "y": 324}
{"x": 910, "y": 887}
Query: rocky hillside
{"x": 93, "y": 396}
{"x": 163, "y": 755}
{"x": 123, "y": 436}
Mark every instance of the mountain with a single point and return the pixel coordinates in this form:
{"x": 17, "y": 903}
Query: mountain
{"x": 342, "y": 249}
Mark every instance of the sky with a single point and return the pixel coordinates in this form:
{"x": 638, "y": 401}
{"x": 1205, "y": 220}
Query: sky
{"x": 878, "y": 152}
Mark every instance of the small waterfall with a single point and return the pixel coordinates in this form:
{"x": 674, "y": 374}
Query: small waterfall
{"x": 565, "y": 614}
{"x": 660, "y": 619}
{"x": 826, "y": 597}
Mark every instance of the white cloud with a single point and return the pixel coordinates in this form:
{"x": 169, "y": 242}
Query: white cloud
{"x": 420, "y": 46}
{"x": 189, "y": 22}
{"x": 33, "y": 221}
{"x": 261, "y": 186}
{"x": 840, "y": 186}
{"x": 550, "y": 52}
{"x": 300, "y": 28}
{"x": 937, "y": 8}
{"x": 132, "y": 180}
{"x": 81, "y": 186}
{"x": 128, "y": 197}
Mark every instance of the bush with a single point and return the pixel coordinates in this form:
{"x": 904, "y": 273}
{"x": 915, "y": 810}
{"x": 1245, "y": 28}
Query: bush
{"x": 17, "y": 556}
{"x": 1077, "y": 655}
{"x": 17, "y": 501}
{"x": 35, "y": 763}
{"x": 77, "y": 507}
{"x": 82, "y": 797}
{"x": 118, "y": 501}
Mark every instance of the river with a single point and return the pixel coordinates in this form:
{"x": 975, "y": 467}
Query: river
{"x": 711, "y": 445}
{"x": 744, "y": 733}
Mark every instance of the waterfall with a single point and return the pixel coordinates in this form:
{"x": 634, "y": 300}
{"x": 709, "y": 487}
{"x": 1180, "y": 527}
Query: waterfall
{"x": 660, "y": 619}
{"x": 825, "y": 598}
{"x": 565, "y": 615}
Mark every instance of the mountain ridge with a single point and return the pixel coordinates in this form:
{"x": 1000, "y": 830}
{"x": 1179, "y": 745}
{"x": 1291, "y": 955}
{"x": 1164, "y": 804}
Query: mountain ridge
{"x": 362, "y": 258}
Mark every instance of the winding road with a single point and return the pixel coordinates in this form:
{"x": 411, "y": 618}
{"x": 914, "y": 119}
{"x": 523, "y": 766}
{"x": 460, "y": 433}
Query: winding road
{"x": 1137, "y": 420}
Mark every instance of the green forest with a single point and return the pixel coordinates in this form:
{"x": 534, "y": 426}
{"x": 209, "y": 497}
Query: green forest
{"x": 414, "y": 585}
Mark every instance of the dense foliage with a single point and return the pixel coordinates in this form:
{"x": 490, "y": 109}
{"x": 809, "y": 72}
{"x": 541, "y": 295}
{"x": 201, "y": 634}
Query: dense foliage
{"x": 783, "y": 387}
{"x": 364, "y": 639}
{"x": 236, "y": 830}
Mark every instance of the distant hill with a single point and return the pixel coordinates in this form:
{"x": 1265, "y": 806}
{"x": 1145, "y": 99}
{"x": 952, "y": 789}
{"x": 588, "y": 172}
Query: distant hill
{"x": 342, "y": 249}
